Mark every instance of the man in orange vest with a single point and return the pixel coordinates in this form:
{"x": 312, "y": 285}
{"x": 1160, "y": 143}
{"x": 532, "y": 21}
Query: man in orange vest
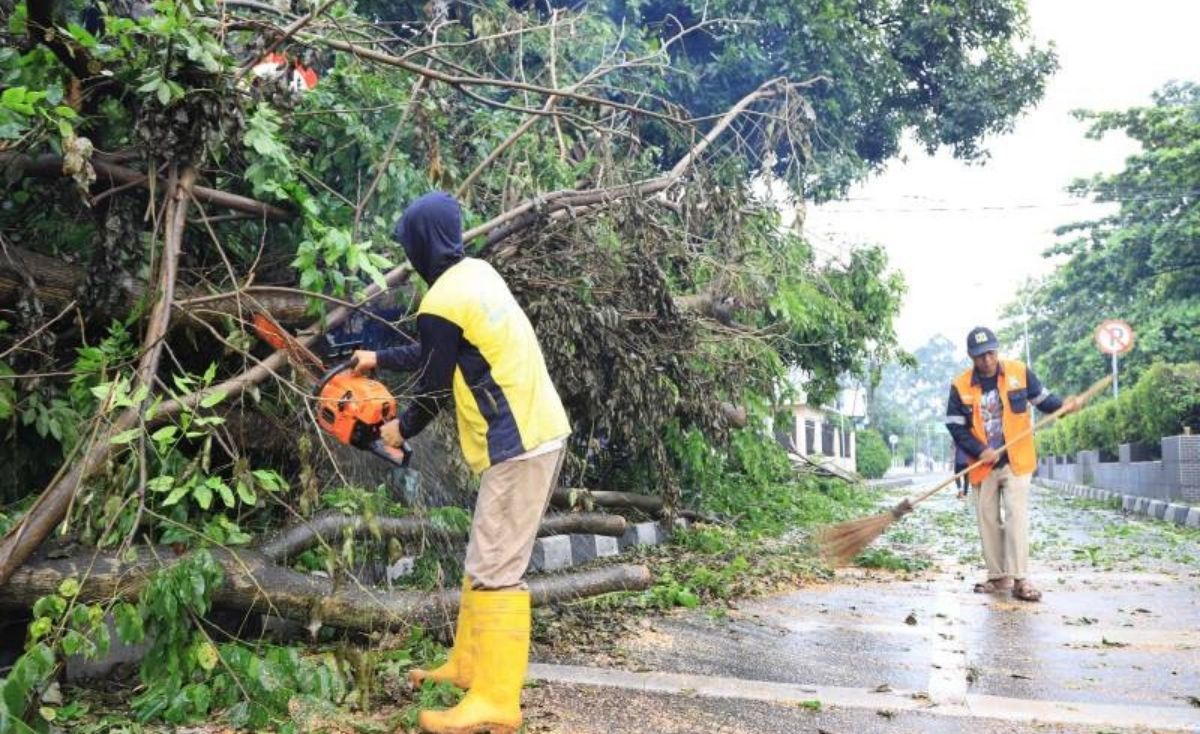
{"x": 989, "y": 406}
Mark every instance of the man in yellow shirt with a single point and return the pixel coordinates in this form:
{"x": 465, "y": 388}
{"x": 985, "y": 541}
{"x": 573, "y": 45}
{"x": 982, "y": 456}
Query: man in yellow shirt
{"x": 476, "y": 343}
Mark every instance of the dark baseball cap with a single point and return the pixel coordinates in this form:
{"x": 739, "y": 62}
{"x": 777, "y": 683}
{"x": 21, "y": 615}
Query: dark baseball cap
{"x": 981, "y": 340}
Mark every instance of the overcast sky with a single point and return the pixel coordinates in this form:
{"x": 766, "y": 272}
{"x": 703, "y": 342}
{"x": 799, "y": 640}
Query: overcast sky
{"x": 967, "y": 236}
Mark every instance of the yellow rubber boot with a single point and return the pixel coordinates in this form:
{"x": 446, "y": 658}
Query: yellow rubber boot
{"x": 493, "y": 704}
{"x": 460, "y": 665}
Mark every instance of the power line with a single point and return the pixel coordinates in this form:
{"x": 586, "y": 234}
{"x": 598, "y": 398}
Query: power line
{"x": 1006, "y": 207}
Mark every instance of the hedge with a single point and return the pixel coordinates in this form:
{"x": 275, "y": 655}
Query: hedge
{"x": 1163, "y": 402}
{"x": 873, "y": 457}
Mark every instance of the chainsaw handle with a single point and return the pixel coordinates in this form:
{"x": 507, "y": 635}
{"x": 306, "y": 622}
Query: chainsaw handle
{"x": 333, "y": 372}
{"x": 399, "y": 457}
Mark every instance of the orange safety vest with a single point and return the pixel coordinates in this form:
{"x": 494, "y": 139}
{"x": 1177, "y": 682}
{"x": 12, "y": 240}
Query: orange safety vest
{"x": 1013, "y": 388}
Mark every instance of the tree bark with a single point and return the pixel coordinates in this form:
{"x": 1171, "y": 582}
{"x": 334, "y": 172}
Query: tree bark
{"x": 593, "y": 523}
{"x": 253, "y": 583}
{"x": 331, "y": 525}
{"x": 575, "y": 498}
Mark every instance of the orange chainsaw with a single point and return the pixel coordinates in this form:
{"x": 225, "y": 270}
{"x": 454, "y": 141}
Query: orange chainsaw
{"x": 351, "y": 408}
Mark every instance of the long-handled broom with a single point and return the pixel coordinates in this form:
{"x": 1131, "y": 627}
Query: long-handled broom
{"x": 839, "y": 544}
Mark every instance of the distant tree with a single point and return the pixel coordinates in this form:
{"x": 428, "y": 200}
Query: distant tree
{"x": 911, "y": 397}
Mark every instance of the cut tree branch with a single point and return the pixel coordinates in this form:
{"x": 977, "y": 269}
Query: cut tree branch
{"x": 496, "y": 229}
{"x": 49, "y": 165}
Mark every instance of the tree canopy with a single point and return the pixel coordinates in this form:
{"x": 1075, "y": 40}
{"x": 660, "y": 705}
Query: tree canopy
{"x": 1140, "y": 264}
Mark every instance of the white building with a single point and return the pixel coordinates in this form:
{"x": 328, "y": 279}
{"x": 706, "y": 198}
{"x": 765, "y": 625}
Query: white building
{"x": 825, "y": 433}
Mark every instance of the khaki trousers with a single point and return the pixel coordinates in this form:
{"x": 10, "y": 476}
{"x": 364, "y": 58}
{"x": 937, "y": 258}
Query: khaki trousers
{"x": 1005, "y": 538}
{"x": 513, "y": 496}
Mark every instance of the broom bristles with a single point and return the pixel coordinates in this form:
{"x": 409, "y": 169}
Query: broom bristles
{"x": 839, "y": 544}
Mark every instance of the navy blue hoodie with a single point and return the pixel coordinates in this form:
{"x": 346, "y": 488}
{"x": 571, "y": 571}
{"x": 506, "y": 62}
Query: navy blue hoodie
{"x": 431, "y": 233}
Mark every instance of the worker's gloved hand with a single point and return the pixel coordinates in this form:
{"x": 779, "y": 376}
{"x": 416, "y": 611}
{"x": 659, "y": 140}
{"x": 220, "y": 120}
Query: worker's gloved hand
{"x": 364, "y": 361}
{"x": 390, "y": 434}
{"x": 989, "y": 456}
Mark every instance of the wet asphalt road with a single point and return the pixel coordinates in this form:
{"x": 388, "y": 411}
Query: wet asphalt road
{"x": 1113, "y": 647}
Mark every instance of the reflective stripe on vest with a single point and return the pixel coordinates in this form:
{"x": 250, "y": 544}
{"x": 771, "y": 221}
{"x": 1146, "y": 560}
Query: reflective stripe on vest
{"x": 1012, "y": 385}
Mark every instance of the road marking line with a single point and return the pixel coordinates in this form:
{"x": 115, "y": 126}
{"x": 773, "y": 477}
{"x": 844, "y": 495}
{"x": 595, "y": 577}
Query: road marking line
{"x": 948, "y": 656}
{"x": 1161, "y": 718}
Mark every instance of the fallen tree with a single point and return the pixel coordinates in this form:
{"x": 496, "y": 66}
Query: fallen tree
{"x": 254, "y": 583}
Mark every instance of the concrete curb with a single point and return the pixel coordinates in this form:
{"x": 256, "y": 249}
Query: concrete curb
{"x": 555, "y": 552}
{"x": 1183, "y": 515}
{"x": 889, "y": 483}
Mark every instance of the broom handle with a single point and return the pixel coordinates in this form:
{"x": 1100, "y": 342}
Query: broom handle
{"x": 1081, "y": 400}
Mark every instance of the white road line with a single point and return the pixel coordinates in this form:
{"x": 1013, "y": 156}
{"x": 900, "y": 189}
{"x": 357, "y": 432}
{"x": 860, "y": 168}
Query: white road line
{"x": 1160, "y": 718}
{"x": 948, "y": 655}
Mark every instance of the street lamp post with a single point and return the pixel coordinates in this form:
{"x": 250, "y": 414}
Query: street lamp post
{"x": 1025, "y": 310}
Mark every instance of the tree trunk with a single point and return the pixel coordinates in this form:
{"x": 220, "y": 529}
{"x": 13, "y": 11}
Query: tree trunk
{"x": 330, "y": 525}
{"x": 253, "y": 583}
{"x": 575, "y": 498}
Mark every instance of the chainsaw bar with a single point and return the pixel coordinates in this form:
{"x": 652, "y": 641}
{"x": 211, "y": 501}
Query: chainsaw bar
{"x": 307, "y": 364}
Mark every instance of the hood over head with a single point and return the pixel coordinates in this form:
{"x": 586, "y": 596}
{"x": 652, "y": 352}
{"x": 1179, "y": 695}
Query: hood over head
{"x": 431, "y": 232}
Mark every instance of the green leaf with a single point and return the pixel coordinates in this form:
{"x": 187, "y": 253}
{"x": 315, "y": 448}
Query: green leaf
{"x": 68, "y": 588}
{"x": 129, "y": 623}
{"x": 40, "y": 627}
{"x": 164, "y": 434}
{"x": 176, "y": 494}
{"x": 212, "y": 398}
{"x": 74, "y": 643}
{"x": 51, "y": 606}
{"x": 125, "y": 437}
{"x": 162, "y": 483}
{"x": 206, "y": 655}
{"x": 245, "y": 493}
{"x": 203, "y": 496}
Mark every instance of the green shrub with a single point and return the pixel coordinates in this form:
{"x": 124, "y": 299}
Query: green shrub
{"x": 873, "y": 456}
{"x": 1163, "y": 402}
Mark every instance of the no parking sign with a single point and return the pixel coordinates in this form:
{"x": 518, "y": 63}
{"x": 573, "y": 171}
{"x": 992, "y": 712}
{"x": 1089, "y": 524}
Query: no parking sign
{"x": 1114, "y": 337}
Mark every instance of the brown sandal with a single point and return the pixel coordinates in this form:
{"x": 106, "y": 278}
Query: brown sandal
{"x": 991, "y": 586}
{"x": 1026, "y": 591}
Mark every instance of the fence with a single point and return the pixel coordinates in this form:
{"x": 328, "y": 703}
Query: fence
{"x": 1174, "y": 477}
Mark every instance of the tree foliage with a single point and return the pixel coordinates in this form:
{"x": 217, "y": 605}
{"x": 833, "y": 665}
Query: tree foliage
{"x": 873, "y": 456}
{"x": 1140, "y": 264}
{"x": 949, "y": 72}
